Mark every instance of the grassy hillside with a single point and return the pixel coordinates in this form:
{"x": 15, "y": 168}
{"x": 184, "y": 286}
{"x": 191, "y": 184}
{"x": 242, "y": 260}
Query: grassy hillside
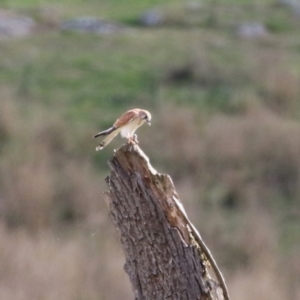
{"x": 226, "y": 127}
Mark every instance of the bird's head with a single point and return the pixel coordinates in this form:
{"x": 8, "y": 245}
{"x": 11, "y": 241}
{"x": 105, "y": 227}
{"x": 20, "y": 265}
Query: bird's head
{"x": 145, "y": 116}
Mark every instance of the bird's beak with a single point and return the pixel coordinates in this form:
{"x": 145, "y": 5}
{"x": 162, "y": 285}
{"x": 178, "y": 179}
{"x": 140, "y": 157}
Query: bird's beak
{"x": 149, "y": 123}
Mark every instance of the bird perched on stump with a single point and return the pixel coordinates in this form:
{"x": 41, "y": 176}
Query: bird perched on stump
{"x": 127, "y": 124}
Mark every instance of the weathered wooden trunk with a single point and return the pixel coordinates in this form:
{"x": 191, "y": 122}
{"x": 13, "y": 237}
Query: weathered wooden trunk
{"x": 165, "y": 255}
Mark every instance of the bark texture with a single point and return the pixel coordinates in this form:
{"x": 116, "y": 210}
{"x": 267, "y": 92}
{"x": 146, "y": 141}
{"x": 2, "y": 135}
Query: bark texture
{"x": 165, "y": 255}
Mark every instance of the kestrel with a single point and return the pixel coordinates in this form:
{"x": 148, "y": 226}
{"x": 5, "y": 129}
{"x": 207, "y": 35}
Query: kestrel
{"x": 127, "y": 124}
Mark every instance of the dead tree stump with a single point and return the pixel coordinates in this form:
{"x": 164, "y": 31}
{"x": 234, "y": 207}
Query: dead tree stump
{"x": 165, "y": 255}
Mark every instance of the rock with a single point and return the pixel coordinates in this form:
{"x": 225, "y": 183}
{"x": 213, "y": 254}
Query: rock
{"x": 292, "y": 5}
{"x": 92, "y": 25}
{"x": 194, "y": 6}
{"x": 13, "y": 25}
{"x": 252, "y": 30}
{"x": 152, "y": 18}
{"x": 288, "y": 3}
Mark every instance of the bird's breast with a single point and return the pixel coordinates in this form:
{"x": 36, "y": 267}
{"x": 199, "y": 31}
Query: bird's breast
{"x": 129, "y": 129}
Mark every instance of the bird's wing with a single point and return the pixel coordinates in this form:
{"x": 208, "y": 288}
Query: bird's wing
{"x": 105, "y": 132}
{"x": 126, "y": 118}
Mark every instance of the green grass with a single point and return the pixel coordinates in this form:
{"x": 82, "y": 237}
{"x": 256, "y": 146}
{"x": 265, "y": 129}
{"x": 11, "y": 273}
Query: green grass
{"x": 115, "y": 9}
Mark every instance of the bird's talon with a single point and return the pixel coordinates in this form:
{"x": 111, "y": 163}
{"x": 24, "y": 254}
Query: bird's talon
{"x": 135, "y": 139}
{"x": 130, "y": 141}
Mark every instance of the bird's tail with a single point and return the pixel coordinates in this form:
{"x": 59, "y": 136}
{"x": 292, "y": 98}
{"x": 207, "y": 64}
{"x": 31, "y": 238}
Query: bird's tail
{"x": 105, "y": 132}
{"x": 108, "y": 139}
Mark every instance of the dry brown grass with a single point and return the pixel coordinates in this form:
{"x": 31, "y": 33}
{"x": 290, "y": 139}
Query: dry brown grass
{"x": 278, "y": 81}
{"x": 260, "y": 283}
{"x": 42, "y": 183}
{"x": 46, "y": 266}
{"x": 261, "y": 146}
{"x": 177, "y": 138}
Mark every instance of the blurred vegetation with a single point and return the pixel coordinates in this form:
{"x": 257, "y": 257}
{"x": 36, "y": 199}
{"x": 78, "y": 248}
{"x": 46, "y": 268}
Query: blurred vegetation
{"x": 226, "y": 127}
